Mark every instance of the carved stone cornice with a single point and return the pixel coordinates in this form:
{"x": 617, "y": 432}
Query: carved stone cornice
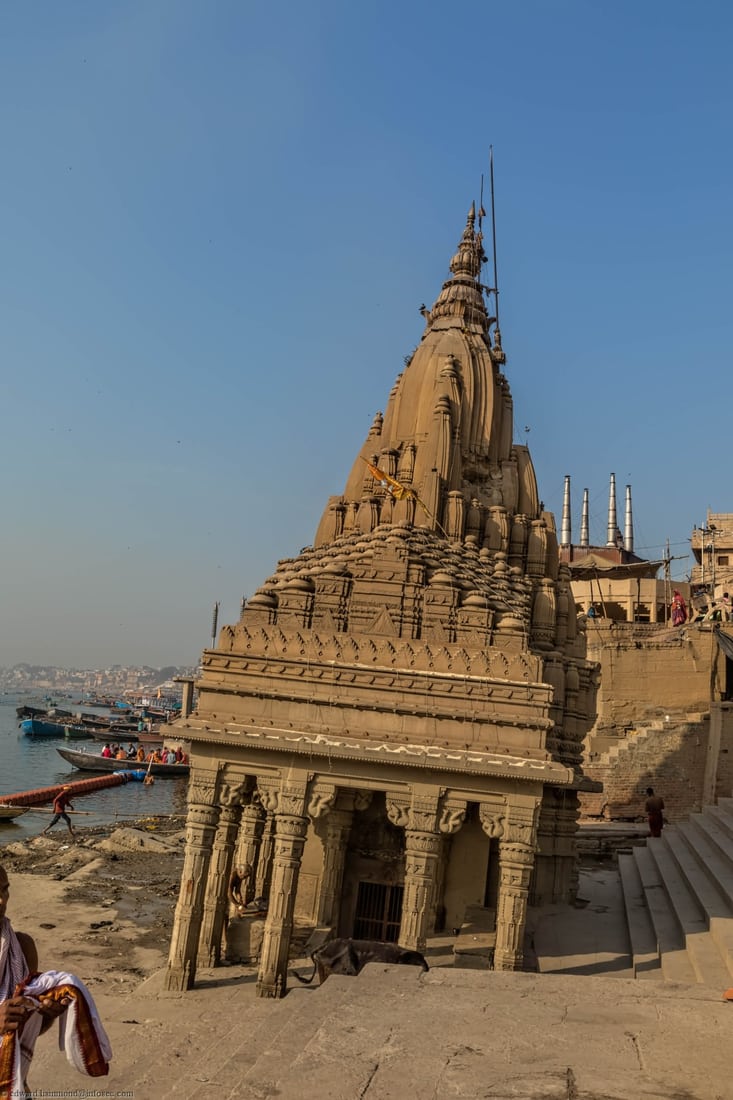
{"x": 334, "y": 656}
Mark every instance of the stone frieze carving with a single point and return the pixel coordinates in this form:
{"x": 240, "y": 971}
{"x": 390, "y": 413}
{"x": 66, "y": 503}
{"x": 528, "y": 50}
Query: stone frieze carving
{"x": 347, "y": 649}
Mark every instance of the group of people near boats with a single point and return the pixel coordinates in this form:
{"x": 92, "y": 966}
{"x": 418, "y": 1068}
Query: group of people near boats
{"x": 153, "y": 756}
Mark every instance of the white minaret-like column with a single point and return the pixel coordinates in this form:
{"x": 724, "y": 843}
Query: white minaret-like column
{"x": 612, "y": 521}
{"x": 566, "y": 534}
{"x": 628, "y": 523}
{"x": 584, "y": 525}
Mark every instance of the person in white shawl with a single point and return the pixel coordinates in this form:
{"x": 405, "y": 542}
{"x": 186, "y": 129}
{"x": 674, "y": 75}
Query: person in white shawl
{"x": 30, "y": 1002}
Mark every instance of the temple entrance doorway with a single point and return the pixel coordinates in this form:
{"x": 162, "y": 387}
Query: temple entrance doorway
{"x": 378, "y": 912}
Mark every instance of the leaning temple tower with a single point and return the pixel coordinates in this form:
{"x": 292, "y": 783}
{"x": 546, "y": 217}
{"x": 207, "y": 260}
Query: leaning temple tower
{"x": 391, "y": 734}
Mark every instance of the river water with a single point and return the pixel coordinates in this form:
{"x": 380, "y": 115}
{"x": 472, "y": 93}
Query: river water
{"x": 29, "y": 762}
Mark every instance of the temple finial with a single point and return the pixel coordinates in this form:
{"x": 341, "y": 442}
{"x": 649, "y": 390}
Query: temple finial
{"x": 467, "y": 260}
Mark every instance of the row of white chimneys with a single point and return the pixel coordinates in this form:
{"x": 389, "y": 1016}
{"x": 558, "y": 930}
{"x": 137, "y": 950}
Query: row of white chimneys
{"x": 613, "y": 535}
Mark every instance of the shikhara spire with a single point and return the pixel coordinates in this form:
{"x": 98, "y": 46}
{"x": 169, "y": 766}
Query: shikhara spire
{"x": 447, "y": 430}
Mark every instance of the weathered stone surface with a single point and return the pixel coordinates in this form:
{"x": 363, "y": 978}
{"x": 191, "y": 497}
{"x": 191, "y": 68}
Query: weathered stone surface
{"x": 135, "y": 840}
{"x": 244, "y": 938}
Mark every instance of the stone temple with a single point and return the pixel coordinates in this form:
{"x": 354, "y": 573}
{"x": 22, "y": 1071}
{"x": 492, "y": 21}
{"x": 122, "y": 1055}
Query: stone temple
{"x": 391, "y": 735}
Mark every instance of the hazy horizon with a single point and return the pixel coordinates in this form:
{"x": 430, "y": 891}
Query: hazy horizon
{"x": 220, "y": 222}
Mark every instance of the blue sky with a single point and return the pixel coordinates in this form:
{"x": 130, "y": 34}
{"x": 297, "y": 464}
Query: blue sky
{"x": 219, "y": 221}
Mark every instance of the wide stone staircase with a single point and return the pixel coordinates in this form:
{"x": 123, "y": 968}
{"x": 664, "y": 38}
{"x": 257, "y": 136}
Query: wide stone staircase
{"x": 678, "y": 896}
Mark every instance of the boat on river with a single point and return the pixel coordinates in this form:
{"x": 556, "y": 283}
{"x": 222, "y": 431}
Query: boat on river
{"x": 76, "y": 733}
{"x": 7, "y": 813}
{"x": 95, "y": 762}
{"x": 42, "y": 727}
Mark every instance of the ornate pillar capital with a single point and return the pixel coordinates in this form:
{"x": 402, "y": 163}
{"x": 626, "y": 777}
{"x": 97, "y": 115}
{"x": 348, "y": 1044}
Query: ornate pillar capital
{"x": 202, "y": 786}
{"x": 417, "y": 811}
{"x": 521, "y": 827}
{"x": 279, "y": 795}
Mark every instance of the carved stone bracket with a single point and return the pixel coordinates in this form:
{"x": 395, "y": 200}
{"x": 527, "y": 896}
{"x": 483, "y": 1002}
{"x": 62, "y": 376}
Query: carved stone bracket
{"x": 363, "y": 800}
{"x": 321, "y": 800}
{"x": 233, "y": 793}
{"x": 398, "y": 811}
{"x": 493, "y": 818}
{"x": 418, "y": 813}
{"x": 268, "y": 793}
{"x": 453, "y": 814}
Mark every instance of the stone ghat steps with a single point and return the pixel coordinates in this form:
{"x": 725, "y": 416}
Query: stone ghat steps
{"x": 678, "y": 897}
{"x": 610, "y": 753}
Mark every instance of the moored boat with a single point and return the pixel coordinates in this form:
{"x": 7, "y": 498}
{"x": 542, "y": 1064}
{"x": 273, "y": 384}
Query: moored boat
{"x": 76, "y": 733}
{"x": 42, "y": 727}
{"x": 7, "y": 813}
{"x": 95, "y": 762}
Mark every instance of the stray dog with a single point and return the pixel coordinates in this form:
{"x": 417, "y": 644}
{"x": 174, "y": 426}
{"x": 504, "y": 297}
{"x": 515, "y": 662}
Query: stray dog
{"x": 351, "y": 956}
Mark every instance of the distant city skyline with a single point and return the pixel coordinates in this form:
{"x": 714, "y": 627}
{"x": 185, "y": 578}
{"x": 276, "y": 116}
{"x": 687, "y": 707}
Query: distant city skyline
{"x": 220, "y": 223}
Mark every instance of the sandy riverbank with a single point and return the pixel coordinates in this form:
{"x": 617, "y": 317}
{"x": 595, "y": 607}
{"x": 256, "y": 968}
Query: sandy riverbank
{"x": 101, "y": 906}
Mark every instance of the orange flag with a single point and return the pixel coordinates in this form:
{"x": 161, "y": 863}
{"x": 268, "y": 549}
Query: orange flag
{"x": 395, "y": 488}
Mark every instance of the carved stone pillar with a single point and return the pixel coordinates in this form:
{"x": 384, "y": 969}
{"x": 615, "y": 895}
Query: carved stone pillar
{"x": 264, "y": 862}
{"x": 334, "y": 829}
{"x": 423, "y": 840}
{"x": 516, "y": 860}
{"x": 452, "y": 816}
{"x": 288, "y": 804}
{"x": 220, "y": 867}
{"x": 203, "y": 814}
{"x": 249, "y": 845}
